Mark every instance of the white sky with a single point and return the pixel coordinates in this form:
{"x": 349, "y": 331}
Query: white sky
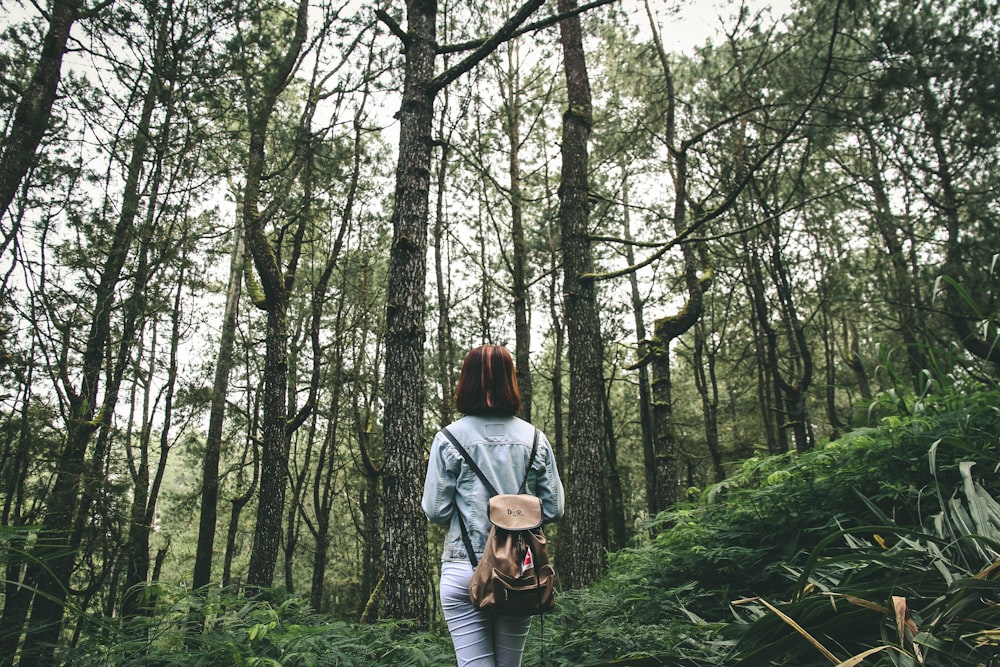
{"x": 684, "y": 24}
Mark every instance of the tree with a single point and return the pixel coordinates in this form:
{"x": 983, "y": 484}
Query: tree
{"x": 941, "y": 68}
{"x": 89, "y": 409}
{"x": 208, "y": 517}
{"x": 582, "y": 555}
{"x": 404, "y": 587}
{"x": 273, "y": 293}
{"x": 517, "y": 258}
{"x": 31, "y": 118}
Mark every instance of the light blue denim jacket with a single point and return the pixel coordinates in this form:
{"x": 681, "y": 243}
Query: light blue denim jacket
{"x": 501, "y": 447}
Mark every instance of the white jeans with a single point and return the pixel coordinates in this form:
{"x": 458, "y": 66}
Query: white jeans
{"x": 481, "y": 639}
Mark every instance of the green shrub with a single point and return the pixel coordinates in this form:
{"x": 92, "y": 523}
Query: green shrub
{"x": 756, "y": 537}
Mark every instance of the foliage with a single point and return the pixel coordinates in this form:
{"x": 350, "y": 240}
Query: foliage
{"x": 883, "y": 544}
{"x": 930, "y": 595}
{"x": 260, "y": 633}
{"x": 837, "y": 532}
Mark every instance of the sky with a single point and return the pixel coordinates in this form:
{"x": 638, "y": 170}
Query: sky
{"x": 685, "y": 24}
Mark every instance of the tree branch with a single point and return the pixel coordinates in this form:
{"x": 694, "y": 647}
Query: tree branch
{"x": 741, "y": 185}
{"x": 531, "y": 27}
{"x": 394, "y": 27}
{"x": 507, "y": 31}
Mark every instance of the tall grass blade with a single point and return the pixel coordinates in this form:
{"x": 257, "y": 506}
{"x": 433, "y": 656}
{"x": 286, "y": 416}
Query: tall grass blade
{"x": 799, "y": 629}
{"x": 856, "y": 660}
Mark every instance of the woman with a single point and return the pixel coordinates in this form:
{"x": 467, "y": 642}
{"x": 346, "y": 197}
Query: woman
{"x": 500, "y": 444}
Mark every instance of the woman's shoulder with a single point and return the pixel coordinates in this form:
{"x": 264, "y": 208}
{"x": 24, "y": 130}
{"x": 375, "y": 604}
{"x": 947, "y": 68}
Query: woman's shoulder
{"x": 492, "y": 428}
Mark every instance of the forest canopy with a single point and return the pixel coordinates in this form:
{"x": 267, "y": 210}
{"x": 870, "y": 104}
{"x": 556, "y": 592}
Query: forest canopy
{"x": 244, "y": 247}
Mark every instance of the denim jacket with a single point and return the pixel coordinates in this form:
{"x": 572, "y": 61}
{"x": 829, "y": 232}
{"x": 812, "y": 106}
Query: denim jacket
{"x": 501, "y": 447}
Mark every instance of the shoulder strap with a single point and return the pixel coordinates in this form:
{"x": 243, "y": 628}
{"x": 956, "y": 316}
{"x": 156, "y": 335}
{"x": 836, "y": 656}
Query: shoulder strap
{"x": 468, "y": 459}
{"x": 531, "y": 460}
{"x": 466, "y": 540}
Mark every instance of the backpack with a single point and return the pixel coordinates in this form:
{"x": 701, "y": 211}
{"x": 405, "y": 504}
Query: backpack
{"x": 514, "y": 576}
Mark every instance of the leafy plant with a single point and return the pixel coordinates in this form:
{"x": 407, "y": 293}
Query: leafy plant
{"x": 263, "y": 634}
{"x": 695, "y": 593}
{"x": 931, "y": 595}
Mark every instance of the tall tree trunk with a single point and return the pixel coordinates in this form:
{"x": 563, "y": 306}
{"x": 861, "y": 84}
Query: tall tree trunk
{"x": 323, "y": 494}
{"x": 274, "y": 447}
{"x": 765, "y": 345}
{"x": 363, "y": 412}
{"x": 405, "y": 587}
{"x": 645, "y": 400}
{"x": 217, "y": 414}
{"x": 559, "y": 344}
{"x": 830, "y": 358}
{"x": 708, "y": 388}
{"x": 664, "y": 438}
{"x": 136, "y": 549}
{"x": 273, "y": 297}
{"x": 146, "y": 486}
{"x": 519, "y": 286}
{"x": 795, "y": 383}
{"x": 666, "y": 329}
{"x": 54, "y": 554}
{"x": 239, "y": 502}
{"x": 372, "y": 513}
{"x": 445, "y": 347}
{"x": 582, "y": 554}
{"x": 615, "y": 494}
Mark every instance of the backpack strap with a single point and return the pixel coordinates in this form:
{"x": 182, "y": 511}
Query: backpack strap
{"x": 531, "y": 461}
{"x": 489, "y": 487}
{"x": 468, "y": 459}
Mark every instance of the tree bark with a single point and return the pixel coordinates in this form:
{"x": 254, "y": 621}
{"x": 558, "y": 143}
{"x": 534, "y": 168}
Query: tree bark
{"x": 405, "y": 586}
{"x": 583, "y": 552}
{"x": 371, "y": 511}
{"x": 765, "y": 346}
{"x": 276, "y": 283}
{"x": 519, "y": 286}
{"x": 239, "y": 502}
{"x": 617, "y": 526}
{"x": 323, "y": 494}
{"x": 217, "y": 414}
{"x": 558, "y": 332}
{"x": 666, "y": 329}
{"x": 445, "y": 347}
{"x": 708, "y": 388}
{"x": 795, "y": 383}
{"x": 645, "y": 399}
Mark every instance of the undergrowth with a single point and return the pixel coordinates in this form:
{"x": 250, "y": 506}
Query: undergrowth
{"x": 881, "y": 548}
{"x": 839, "y": 540}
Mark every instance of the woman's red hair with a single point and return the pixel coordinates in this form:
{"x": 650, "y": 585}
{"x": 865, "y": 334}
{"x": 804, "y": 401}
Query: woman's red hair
{"x": 487, "y": 384}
